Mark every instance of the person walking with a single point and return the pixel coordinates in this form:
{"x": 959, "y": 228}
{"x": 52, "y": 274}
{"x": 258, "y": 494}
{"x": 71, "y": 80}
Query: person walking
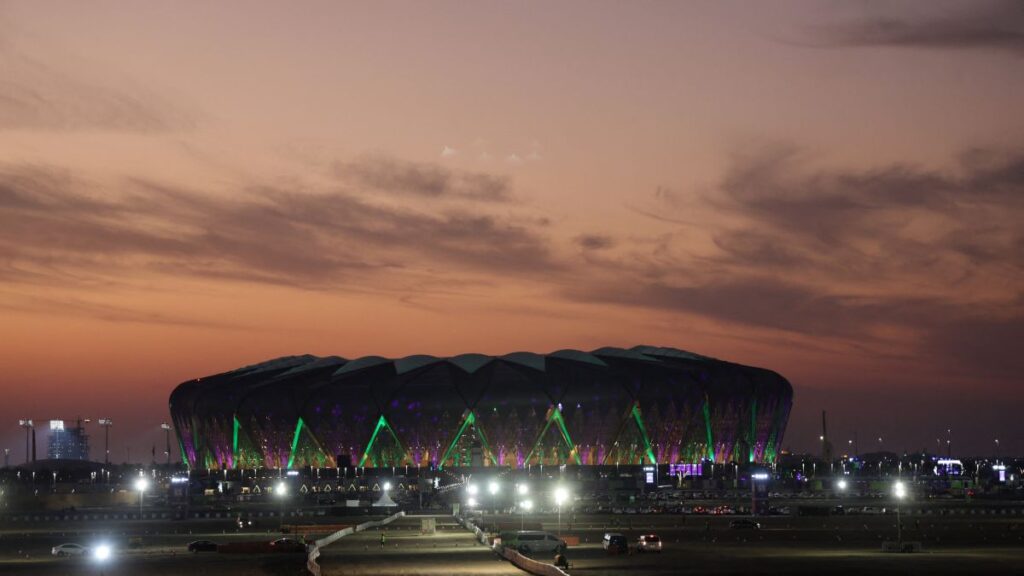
{"x": 382, "y": 538}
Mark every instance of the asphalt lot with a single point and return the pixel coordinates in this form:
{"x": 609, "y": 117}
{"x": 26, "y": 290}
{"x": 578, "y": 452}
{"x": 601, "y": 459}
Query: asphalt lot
{"x": 800, "y": 545}
{"x": 693, "y": 545}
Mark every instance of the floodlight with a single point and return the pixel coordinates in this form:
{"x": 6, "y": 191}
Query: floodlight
{"x": 102, "y": 552}
{"x": 899, "y": 490}
{"x": 561, "y": 495}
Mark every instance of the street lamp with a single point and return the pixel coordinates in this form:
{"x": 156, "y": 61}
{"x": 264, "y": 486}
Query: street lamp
{"x": 141, "y": 485}
{"x": 106, "y": 423}
{"x": 524, "y": 506}
{"x": 523, "y": 489}
{"x": 28, "y": 425}
{"x": 841, "y": 485}
{"x": 167, "y": 432}
{"x": 493, "y": 487}
{"x": 561, "y": 495}
{"x": 102, "y": 553}
{"x": 281, "y": 491}
{"x": 900, "y": 491}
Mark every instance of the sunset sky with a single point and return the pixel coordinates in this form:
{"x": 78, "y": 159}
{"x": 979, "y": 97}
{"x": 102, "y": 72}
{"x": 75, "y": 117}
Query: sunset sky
{"x": 832, "y": 190}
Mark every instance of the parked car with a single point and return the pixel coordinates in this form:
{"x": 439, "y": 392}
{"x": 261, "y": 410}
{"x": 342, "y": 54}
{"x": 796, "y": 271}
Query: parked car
{"x": 288, "y": 545}
{"x": 744, "y": 524}
{"x": 615, "y": 543}
{"x": 202, "y": 546}
{"x": 69, "y": 549}
{"x": 528, "y": 541}
{"x": 648, "y": 543}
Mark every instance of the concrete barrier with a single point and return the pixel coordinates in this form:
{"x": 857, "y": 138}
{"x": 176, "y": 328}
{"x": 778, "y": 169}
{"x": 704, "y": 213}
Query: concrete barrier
{"x": 535, "y": 567}
{"x": 530, "y": 565}
{"x": 314, "y": 550}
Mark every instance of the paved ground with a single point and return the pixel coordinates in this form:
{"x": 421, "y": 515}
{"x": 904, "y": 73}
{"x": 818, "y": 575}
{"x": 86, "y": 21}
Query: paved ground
{"x": 807, "y": 545}
{"x": 693, "y": 545}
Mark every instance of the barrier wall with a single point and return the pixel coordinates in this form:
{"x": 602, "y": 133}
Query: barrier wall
{"x": 314, "y": 551}
{"x": 526, "y": 563}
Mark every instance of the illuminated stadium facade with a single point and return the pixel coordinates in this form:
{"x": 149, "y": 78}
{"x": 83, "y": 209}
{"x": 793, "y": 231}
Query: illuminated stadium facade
{"x": 643, "y": 405}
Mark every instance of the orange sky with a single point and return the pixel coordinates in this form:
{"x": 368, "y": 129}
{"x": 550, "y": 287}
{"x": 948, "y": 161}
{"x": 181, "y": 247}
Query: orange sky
{"x": 833, "y": 191}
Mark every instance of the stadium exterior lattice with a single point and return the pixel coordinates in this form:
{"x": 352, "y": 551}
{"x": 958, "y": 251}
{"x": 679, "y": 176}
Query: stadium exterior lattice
{"x": 644, "y": 405}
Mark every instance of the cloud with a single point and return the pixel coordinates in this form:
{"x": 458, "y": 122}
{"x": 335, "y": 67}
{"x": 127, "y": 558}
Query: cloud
{"x": 595, "y": 241}
{"x": 448, "y": 152}
{"x": 890, "y": 221}
{"x": 53, "y": 224}
{"x": 117, "y": 314}
{"x": 37, "y": 96}
{"x": 894, "y": 253}
{"x": 992, "y": 25}
{"x": 387, "y": 174}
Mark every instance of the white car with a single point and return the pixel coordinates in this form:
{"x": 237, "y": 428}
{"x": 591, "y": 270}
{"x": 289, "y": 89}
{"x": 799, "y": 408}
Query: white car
{"x": 69, "y": 550}
{"x": 531, "y": 541}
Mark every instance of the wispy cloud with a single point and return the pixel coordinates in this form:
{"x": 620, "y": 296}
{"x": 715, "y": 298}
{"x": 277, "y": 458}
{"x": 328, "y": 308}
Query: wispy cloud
{"x": 37, "y": 96}
{"x": 52, "y": 222}
{"x": 850, "y": 255}
{"x": 595, "y": 241}
{"x": 992, "y": 25}
{"x": 387, "y": 174}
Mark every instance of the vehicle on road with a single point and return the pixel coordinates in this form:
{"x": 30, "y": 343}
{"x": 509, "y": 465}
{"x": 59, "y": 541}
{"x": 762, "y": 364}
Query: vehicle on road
{"x": 246, "y": 522}
{"x": 69, "y": 549}
{"x": 288, "y": 545}
{"x": 615, "y": 543}
{"x": 528, "y": 541}
{"x": 744, "y": 524}
{"x": 202, "y": 546}
{"x": 648, "y": 543}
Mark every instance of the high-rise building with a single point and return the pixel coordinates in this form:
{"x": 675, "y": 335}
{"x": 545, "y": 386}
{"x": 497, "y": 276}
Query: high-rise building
{"x": 67, "y": 443}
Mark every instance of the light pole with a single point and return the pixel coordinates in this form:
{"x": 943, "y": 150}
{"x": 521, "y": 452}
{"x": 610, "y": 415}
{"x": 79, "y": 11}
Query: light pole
{"x": 27, "y": 425}
{"x": 492, "y": 488}
{"x": 561, "y": 495}
{"x": 523, "y": 490}
{"x": 525, "y": 506}
{"x": 900, "y": 491}
{"x": 281, "y": 491}
{"x": 471, "y": 491}
{"x": 141, "y": 485}
{"x": 106, "y": 423}
{"x": 167, "y": 431}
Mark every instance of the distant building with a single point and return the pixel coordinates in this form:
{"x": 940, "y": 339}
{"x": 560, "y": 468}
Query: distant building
{"x": 67, "y": 443}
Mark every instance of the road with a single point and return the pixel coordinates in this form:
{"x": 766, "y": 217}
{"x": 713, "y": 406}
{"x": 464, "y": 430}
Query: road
{"x": 693, "y": 545}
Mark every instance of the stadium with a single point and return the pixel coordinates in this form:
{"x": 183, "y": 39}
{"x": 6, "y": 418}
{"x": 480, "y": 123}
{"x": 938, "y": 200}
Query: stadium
{"x": 611, "y": 406}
